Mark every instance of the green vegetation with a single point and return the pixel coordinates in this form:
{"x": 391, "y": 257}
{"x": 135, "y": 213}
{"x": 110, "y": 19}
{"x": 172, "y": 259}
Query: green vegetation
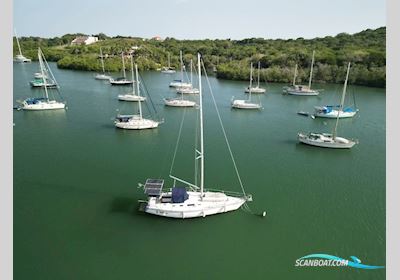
{"x": 231, "y": 58}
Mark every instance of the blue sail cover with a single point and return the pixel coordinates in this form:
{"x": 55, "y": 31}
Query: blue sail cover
{"x": 349, "y": 109}
{"x": 31, "y": 101}
{"x": 179, "y": 194}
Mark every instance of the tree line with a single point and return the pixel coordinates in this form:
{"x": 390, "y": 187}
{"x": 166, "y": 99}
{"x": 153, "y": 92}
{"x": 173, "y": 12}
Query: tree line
{"x": 231, "y": 59}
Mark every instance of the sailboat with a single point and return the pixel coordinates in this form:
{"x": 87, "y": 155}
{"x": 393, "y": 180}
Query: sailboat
{"x": 333, "y": 111}
{"x": 328, "y": 140}
{"x": 131, "y": 96}
{"x": 42, "y": 103}
{"x": 19, "y": 57}
{"x": 121, "y": 81}
{"x": 180, "y": 83}
{"x": 44, "y": 77}
{"x": 169, "y": 69}
{"x": 247, "y": 104}
{"x": 102, "y": 76}
{"x": 301, "y": 89}
{"x": 191, "y": 89}
{"x": 256, "y": 89}
{"x": 191, "y": 201}
{"x": 135, "y": 121}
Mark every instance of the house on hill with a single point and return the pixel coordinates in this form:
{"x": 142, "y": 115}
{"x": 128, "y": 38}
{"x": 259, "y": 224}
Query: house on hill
{"x": 84, "y": 40}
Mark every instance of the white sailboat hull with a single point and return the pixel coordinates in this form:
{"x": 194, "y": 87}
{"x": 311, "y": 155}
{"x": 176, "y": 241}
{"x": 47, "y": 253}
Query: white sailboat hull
{"x": 102, "y": 77}
{"x": 179, "y": 84}
{"x": 168, "y": 71}
{"x": 22, "y": 59}
{"x": 244, "y": 104}
{"x": 120, "y": 83}
{"x": 131, "y": 97}
{"x": 195, "y": 207}
{"x": 137, "y": 123}
{"x": 50, "y": 105}
{"x": 300, "y": 90}
{"x": 255, "y": 90}
{"x": 334, "y": 114}
{"x": 179, "y": 103}
{"x": 325, "y": 140}
{"x": 187, "y": 90}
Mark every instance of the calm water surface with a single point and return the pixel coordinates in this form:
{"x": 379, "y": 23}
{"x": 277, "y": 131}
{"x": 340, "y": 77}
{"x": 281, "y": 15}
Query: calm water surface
{"x": 75, "y": 186}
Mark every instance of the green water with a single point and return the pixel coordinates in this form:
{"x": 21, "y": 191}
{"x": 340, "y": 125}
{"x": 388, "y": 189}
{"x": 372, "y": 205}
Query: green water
{"x": 75, "y": 186}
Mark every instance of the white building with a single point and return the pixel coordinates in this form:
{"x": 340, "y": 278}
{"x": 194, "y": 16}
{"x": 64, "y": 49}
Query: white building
{"x": 84, "y": 40}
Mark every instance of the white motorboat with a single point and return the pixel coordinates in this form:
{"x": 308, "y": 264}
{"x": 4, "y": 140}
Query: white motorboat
{"x": 256, "y": 89}
{"x": 103, "y": 75}
{"x": 179, "y": 202}
{"x": 302, "y": 90}
{"x": 327, "y": 140}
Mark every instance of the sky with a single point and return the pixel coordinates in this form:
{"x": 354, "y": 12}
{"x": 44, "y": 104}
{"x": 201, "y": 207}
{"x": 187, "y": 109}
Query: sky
{"x": 194, "y": 19}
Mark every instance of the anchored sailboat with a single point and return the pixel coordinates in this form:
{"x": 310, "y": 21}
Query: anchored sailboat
{"x": 301, "y": 89}
{"x": 328, "y": 140}
{"x": 180, "y": 83}
{"x": 169, "y": 69}
{"x": 131, "y": 96}
{"x": 196, "y": 201}
{"x": 19, "y": 57}
{"x": 247, "y": 104}
{"x": 191, "y": 89}
{"x": 256, "y": 89}
{"x": 42, "y": 103}
{"x": 135, "y": 121}
{"x": 44, "y": 77}
{"x": 102, "y": 76}
{"x": 333, "y": 111}
{"x": 121, "y": 81}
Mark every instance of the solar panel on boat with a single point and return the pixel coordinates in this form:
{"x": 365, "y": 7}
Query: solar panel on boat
{"x": 153, "y": 187}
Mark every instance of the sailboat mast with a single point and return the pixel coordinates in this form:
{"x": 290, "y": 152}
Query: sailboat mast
{"x": 295, "y": 74}
{"x": 312, "y": 66}
{"x": 102, "y": 62}
{"x": 341, "y": 101}
{"x": 191, "y": 71}
{"x": 133, "y": 78}
{"x": 169, "y": 61}
{"x": 123, "y": 64}
{"x": 251, "y": 80}
{"x": 258, "y": 78}
{"x": 201, "y": 129}
{"x": 180, "y": 54}
{"x": 43, "y": 76}
{"x": 138, "y": 91}
{"x": 19, "y": 47}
